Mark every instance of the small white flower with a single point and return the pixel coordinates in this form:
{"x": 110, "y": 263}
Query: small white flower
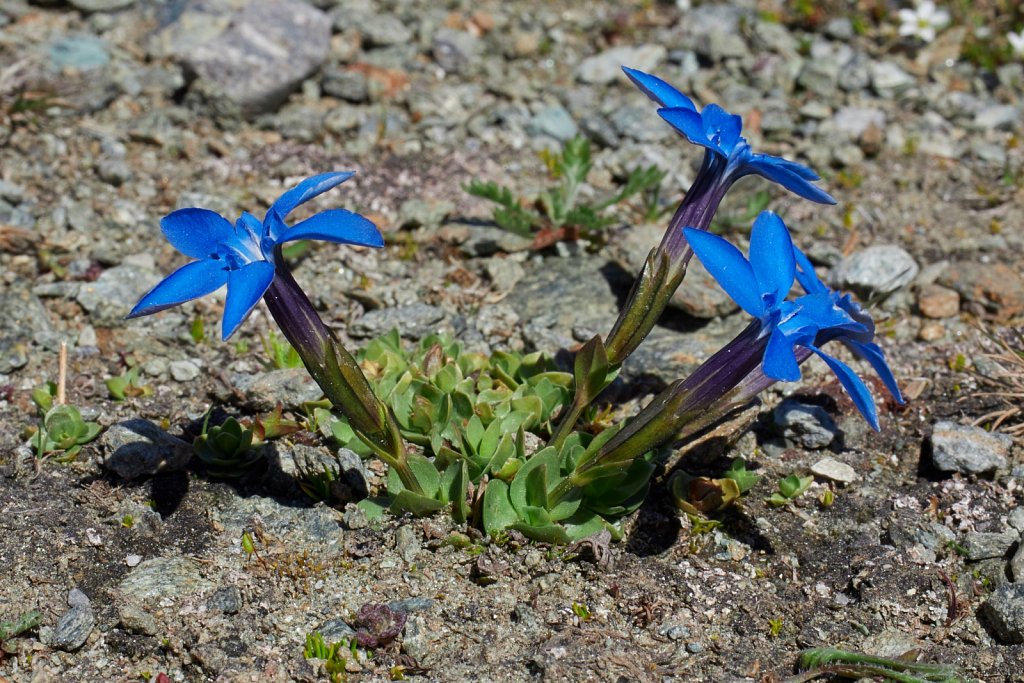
{"x": 1016, "y": 41}
{"x": 923, "y": 21}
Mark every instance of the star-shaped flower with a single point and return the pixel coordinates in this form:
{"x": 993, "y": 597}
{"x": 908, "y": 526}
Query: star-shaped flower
{"x": 923, "y": 21}
{"x": 244, "y": 255}
{"x": 718, "y": 131}
{"x": 760, "y": 285}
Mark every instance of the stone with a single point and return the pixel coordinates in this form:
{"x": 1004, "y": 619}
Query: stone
{"x": 454, "y": 51}
{"x": 968, "y": 450}
{"x": 1004, "y": 612}
{"x": 878, "y": 269}
{"x": 414, "y": 321}
{"x": 606, "y": 67}
{"x": 377, "y": 30}
{"x": 136, "y": 620}
{"x": 485, "y": 240}
{"x": 855, "y": 121}
{"x": 424, "y": 212}
{"x": 248, "y": 60}
{"x": 108, "y": 299}
{"x": 183, "y": 370}
{"x": 995, "y": 286}
{"x": 227, "y": 599}
{"x": 407, "y": 543}
{"x": 163, "y": 578}
{"x": 553, "y": 121}
{"x": 1017, "y": 564}
{"x": 983, "y": 545}
{"x": 936, "y": 301}
{"x": 139, "y": 448}
{"x": 810, "y": 426}
{"x": 503, "y": 273}
{"x": 889, "y": 80}
{"x": 82, "y": 52}
{"x": 351, "y": 86}
{"x": 819, "y": 76}
{"x": 291, "y": 387}
{"x": 1016, "y": 519}
{"x": 73, "y": 628}
{"x": 833, "y": 470}
{"x": 998, "y": 117}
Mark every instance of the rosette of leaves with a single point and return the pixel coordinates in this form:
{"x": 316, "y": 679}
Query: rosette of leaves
{"x": 521, "y": 499}
{"x": 63, "y": 432}
{"x": 226, "y": 449}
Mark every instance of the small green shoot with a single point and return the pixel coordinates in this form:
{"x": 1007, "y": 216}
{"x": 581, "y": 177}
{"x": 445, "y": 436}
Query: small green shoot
{"x": 226, "y": 449}
{"x": 198, "y": 330}
{"x": 26, "y": 622}
{"x": 63, "y": 431}
{"x": 581, "y": 610}
{"x": 43, "y": 395}
{"x": 281, "y": 353}
{"x": 127, "y": 385}
{"x": 860, "y": 666}
{"x": 790, "y": 488}
{"x": 330, "y": 653}
{"x": 127, "y": 522}
{"x": 775, "y": 627}
{"x": 743, "y": 477}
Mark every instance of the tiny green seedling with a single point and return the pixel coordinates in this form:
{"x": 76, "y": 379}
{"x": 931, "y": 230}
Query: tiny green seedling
{"x": 280, "y": 352}
{"x": 775, "y": 627}
{"x": 790, "y": 488}
{"x": 330, "y": 653}
{"x": 127, "y": 385}
{"x": 581, "y": 610}
{"x": 63, "y": 431}
{"x": 227, "y": 449}
{"x": 26, "y": 622}
{"x": 743, "y": 477}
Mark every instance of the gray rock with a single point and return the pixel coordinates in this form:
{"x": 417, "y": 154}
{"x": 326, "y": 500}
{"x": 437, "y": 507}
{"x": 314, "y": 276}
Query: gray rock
{"x": 1016, "y": 519}
{"x": 503, "y": 273}
{"x": 819, "y": 76}
{"x": 183, "y": 370}
{"x": 227, "y": 599}
{"x": 350, "y": 86}
{"x": 335, "y": 631}
{"x": 1017, "y": 564}
{"x": 669, "y": 355}
{"x": 100, "y": 5}
{"x": 983, "y": 545}
{"x": 414, "y": 321}
{"x": 11, "y": 192}
{"x": 407, "y": 543}
{"x": 889, "y": 80}
{"x": 634, "y": 121}
{"x": 600, "y": 130}
{"x": 809, "y": 426}
{"x": 24, "y": 318}
{"x": 137, "y": 620}
{"x": 454, "y": 51}
{"x": 115, "y": 172}
{"x": 76, "y": 598}
{"x": 138, "y": 448}
{"x": 1004, "y": 612}
{"x": 248, "y": 60}
{"x": 998, "y": 117}
{"x": 82, "y": 52}
{"x": 410, "y": 605}
{"x": 264, "y": 390}
{"x": 833, "y": 470}
{"x": 317, "y": 524}
{"x": 354, "y": 517}
{"x": 553, "y": 121}
{"x": 840, "y": 28}
{"x": 377, "y": 30}
{"x": 485, "y": 240}
{"x": 424, "y": 212}
{"x": 718, "y": 45}
{"x": 73, "y": 628}
{"x": 606, "y": 66}
{"x": 878, "y": 269}
{"x": 854, "y": 121}
{"x": 13, "y": 355}
{"x": 968, "y": 450}
{"x": 109, "y": 298}
{"x": 163, "y": 578}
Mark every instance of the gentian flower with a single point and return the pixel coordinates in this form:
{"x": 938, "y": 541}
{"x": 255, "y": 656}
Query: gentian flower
{"x": 727, "y": 158}
{"x": 760, "y": 285}
{"x": 245, "y": 256}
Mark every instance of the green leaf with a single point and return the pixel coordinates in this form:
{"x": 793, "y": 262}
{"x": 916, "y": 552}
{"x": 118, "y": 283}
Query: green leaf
{"x": 407, "y": 501}
{"x": 551, "y": 533}
{"x": 457, "y": 477}
{"x": 498, "y": 513}
{"x": 792, "y": 486}
{"x": 374, "y": 508}
{"x": 743, "y": 477}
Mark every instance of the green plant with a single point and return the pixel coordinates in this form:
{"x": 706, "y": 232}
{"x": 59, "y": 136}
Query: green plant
{"x": 830, "y": 661}
{"x": 43, "y": 396}
{"x": 282, "y": 354}
{"x": 581, "y": 610}
{"x": 743, "y": 477}
{"x": 26, "y": 622}
{"x": 330, "y": 653}
{"x": 226, "y": 449}
{"x": 126, "y": 385}
{"x": 63, "y": 431}
{"x": 790, "y": 488}
{"x": 775, "y": 627}
{"x": 558, "y": 211}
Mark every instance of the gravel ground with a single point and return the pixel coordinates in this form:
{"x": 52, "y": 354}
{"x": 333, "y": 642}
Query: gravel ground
{"x": 115, "y": 112}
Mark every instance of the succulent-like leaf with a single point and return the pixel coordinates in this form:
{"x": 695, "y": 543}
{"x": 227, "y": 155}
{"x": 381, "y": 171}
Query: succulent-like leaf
{"x": 498, "y": 512}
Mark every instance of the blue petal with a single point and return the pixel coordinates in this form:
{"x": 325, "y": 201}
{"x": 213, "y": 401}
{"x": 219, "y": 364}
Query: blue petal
{"x": 658, "y": 90}
{"x": 721, "y": 127}
{"x": 336, "y": 225}
{"x": 872, "y": 353}
{"x": 197, "y": 232}
{"x": 805, "y": 275}
{"x": 854, "y": 386}
{"x": 726, "y": 264}
{"x": 771, "y": 256}
{"x": 770, "y": 168}
{"x": 191, "y": 281}
{"x": 691, "y": 125}
{"x": 779, "y": 359}
{"x": 804, "y": 172}
{"x": 245, "y": 287}
{"x": 307, "y": 189}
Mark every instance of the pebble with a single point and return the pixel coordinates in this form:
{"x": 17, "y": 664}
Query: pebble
{"x": 138, "y": 448}
{"x": 414, "y": 321}
{"x": 291, "y": 387}
{"x": 136, "y": 620}
{"x": 227, "y": 599}
{"x": 1004, "y": 612}
{"x": 878, "y": 269}
{"x": 183, "y": 370}
{"x": 161, "y": 578}
{"x": 888, "y": 80}
{"x": 810, "y": 426}
{"x": 407, "y": 543}
{"x": 73, "y": 628}
{"x": 109, "y": 298}
{"x": 982, "y": 545}
{"x": 998, "y": 288}
{"x": 455, "y": 51}
{"x": 936, "y": 301}
{"x": 832, "y": 469}
{"x": 606, "y": 66}
{"x": 100, "y": 5}
{"x": 377, "y": 30}
{"x": 555, "y": 122}
{"x": 968, "y": 450}
{"x": 930, "y": 331}
{"x": 82, "y": 52}
{"x": 426, "y": 212}
{"x": 1017, "y": 564}
{"x": 1016, "y": 519}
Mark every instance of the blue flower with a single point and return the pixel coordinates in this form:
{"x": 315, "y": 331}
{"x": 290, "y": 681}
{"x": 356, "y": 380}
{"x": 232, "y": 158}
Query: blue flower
{"x": 245, "y": 256}
{"x": 718, "y": 131}
{"x": 760, "y": 286}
